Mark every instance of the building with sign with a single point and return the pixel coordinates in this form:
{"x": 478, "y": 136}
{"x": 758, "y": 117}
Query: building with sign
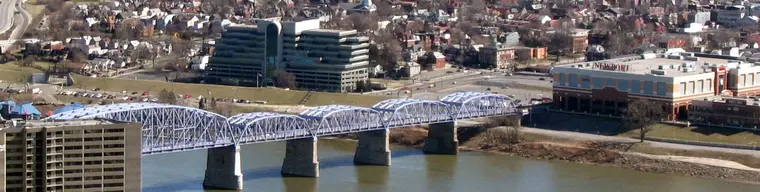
{"x": 321, "y": 59}
{"x": 91, "y": 155}
{"x": 605, "y": 87}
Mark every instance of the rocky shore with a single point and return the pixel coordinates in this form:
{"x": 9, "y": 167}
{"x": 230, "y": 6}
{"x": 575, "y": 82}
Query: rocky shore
{"x": 598, "y": 153}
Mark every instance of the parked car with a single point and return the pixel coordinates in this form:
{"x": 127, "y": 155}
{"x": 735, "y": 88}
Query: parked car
{"x": 134, "y": 93}
{"x": 96, "y": 89}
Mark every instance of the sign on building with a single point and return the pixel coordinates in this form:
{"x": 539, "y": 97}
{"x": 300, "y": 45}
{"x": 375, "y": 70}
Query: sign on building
{"x": 2, "y": 148}
{"x": 612, "y": 66}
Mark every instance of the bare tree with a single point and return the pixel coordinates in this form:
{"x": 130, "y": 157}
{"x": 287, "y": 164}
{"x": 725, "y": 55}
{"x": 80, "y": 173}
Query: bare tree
{"x": 560, "y": 42}
{"x": 363, "y": 22}
{"x": 28, "y": 61}
{"x": 642, "y": 114}
{"x": 167, "y": 97}
{"x": 388, "y": 50}
{"x": 141, "y": 52}
{"x": 221, "y": 7}
{"x": 285, "y": 79}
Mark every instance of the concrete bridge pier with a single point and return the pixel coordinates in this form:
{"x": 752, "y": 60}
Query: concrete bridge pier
{"x": 442, "y": 139}
{"x": 223, "y": 168}
{"x": 373, "y": 148}
{"x": 301, "y": 158}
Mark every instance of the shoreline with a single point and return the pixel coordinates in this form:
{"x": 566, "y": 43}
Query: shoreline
{"x": 576, "y": 151}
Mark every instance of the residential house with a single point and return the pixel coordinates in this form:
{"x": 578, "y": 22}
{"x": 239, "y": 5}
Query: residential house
{"x": 580, "y": 40}
{"x": 530, "y": 53}
{"x": 673, "y": 41}
{"x": 496, "y": 55}
{"x": 509, "y": 38}
{"x": 701, "y": 17}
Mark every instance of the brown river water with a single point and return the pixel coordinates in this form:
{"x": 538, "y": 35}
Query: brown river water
{"x": 411, "y": 170}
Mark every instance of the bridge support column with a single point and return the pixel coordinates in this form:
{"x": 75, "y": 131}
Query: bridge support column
{"x": 373, "y": 148}
{"x": 442, "y": 139}
{"x": 223, "y": 168}
{"x": 301, "y": 158}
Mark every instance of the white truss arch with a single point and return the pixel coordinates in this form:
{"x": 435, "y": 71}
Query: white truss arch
{"x": 407, "y": 111}
{"x": 478, "y": 104}
{"x": 166, "y": 128}
{"x": 265, "y": 126}
{"x": 338, "y": 119}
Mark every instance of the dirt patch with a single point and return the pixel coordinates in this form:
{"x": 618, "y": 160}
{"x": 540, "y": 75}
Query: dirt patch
{"x": 610, "y": 154}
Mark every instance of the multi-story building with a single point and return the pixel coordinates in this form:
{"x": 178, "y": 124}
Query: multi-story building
{"x": 725, "y": 111}
{"x": 729, "y": 15}
{"x": 92, "y": 155}
{"x": 321, "y": 59}
{"x": 606, "y": 86}
{"x": 324, "y": 59}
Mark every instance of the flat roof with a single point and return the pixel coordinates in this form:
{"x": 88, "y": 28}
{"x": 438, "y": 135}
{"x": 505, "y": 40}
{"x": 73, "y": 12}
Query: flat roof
{"x": 36, "y": 124}
{"x": 670, "y": 67}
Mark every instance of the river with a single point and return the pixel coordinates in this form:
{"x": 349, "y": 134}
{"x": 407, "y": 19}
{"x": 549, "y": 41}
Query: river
{"x": 411, "y": 170}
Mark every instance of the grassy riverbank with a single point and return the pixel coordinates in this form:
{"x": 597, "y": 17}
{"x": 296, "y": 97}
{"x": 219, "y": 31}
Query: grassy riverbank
{"x": 612, "y": 154}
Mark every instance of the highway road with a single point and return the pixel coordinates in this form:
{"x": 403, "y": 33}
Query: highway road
{"x": 22, "y": 21}
{"x": 7, "y": 7}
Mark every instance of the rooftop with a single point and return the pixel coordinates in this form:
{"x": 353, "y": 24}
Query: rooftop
{"x": 670, "y": 66}
{"x": 31, "y": 124}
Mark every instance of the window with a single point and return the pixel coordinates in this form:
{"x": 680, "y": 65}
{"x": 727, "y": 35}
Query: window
{"x": 93, "y": 186}
{"x": 662, "y": 88}
{"x": 573, "y": 79}
{"x": 682, "y": 88}
{"x": 113, "y": 138}
{"x": 113, "y": 169}
{"x": 113, "y": 146}
{"x": 113, "y": 161}
{"x": 709, "y": 85}
{"x": 562, "y": 79}
{"x": 701, "y": 86}
{"x": 622, "y": 85}
{"x": 743, "y": 80}
{"x": 635, "y": 86}
{"x": 88, "y": 178}
{"x": 93, "y": 162}
{"x": 648, "y": 87}
{"x": 690, "y": 88}
{"x": 93, "y": 139}
{"x": 751, "y": 79}
{"x": 585, "y": 81}
{"x": 611, "y": 83}
{"x": 598, "y": 82}
{"x": 114, "y": 130}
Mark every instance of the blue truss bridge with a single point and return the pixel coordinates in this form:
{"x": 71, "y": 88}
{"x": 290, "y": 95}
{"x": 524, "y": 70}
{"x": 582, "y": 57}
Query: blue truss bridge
{"x": 171, "y": 128}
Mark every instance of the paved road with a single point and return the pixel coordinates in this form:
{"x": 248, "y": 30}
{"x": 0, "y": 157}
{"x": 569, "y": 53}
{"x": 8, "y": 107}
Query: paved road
{"x": 7, "y": 7}
{"x": 23, "y": 19}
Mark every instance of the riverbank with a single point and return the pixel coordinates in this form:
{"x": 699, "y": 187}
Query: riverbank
{"x": 603, "y": 153}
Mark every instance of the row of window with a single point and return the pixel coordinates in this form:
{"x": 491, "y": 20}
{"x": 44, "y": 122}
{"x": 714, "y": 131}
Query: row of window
{"x": 636, "y": 86}
{"x": 699, "y": 86}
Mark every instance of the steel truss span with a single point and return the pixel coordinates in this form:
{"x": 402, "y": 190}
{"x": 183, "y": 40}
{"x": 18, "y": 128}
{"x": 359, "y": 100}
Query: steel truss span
{"x": 168, "y": 128}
